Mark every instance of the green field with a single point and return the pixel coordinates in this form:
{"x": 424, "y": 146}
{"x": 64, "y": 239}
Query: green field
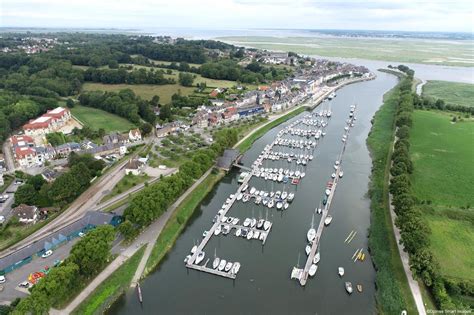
{"x": 111, "y": 288}
{"x": 145, "y": 91}
{"x": 443, "y": 155}
{"x": 96, "y": 118}
{"x": 126, "y": 183}
{"x": 443, "y": 177}
{"x": 451, "y": 92}
{"x": 453, "y": 53}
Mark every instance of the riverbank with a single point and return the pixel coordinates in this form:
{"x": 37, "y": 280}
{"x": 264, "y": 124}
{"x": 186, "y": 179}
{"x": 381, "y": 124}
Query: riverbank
{"x": 393, "y": 292}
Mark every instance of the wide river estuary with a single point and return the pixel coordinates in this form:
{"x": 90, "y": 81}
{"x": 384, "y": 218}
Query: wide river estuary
{"x": 263, "y": 284}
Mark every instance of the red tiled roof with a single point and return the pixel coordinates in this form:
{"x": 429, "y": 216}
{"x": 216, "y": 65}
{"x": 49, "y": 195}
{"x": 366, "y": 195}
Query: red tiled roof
{"x": 16, "y": 139}
{"x": 22, "y": 152}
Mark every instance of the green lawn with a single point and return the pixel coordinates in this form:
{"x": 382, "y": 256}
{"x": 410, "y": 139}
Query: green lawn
{"x": 127, "y": 182}
{"x": 451, "y": 92}
{"x": 451, "y": 242}
{"x": 442, "y": 154}
{"x": 96, "y": 118}
{"x": 111, "y": 288}
{"x": 396, "y": 50}
{"x": 145, "y": 91}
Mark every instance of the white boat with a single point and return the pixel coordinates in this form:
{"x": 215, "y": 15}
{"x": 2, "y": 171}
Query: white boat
{"x": 341, "y": 173}
{"x": 291, "y": 196}
{"x": 271, "y": 203}
{"x": 222, "y": 265}
{"x": 246, "y": 198}
{"x": 239, "y": 196}
{"x": 328, "y": 192}
{"x": 250, "y": 235}
{"x": 303, "y": 174}
{"x": 200, "y": 257}
{"x": 204, "y": 234}
{"x": 256, "y": 235}
{"x": 216, "y": 262}
{"x": 238, "y": 232}
{"x": 311, "y": 234}
{"x": 316, "y": 258}
{"x": 252, "y": 190}
{"x": 253, "y": 222}
{"x": 228, "y": 266}
{"x": 279, "y": 205}
{"x": 333, "y": 175}
{"x": 320, "y": 210}
{"x": 260, "y": 223}
{"x": 307, "y": 249}
{"x": 187, "y": 258}
{"x": 224, "y": 219}
{"x": 263, "y": 236}
{"x": 235, "y": 221}
{"x": 242, "y": 176}
{"x": 193, "y": 250}
{"x": 247, "y": 222}
{"x": 266, "y": 225}
{"x": 297, "y": 174}
{"x": 328, "y": 220}
{"x": 312, "y": 270}
{"x": 244, "y": 188}
{"x": 286, "y": 205}
{"x": 348, "y": 287}
{"x": 236, "y": 268}
{"x": 341, "y": 271}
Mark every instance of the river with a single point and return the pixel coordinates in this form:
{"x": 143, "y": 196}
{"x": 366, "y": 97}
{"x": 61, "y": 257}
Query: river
{"x": 263, "y": 284}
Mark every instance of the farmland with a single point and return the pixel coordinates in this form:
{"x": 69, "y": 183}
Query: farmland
{"x": 96, "y": 118}
{"x": 451, "y": 92}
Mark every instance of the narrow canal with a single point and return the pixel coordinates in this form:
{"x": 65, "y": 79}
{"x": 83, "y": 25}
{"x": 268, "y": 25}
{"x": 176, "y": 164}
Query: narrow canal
{"x": 263, "y": 283}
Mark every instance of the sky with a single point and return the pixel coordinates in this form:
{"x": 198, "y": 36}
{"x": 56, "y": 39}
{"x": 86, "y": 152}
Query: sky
{"x": 404, "y": 15}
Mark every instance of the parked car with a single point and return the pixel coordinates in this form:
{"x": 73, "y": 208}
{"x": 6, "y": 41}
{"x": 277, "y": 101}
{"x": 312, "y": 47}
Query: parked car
{"x": 24, "y": 284}
{"x": 2, "y": 277}
{"x": 47, "y": 253}
{"x": 2, "y": 219}
{"x": 82, "y": 234}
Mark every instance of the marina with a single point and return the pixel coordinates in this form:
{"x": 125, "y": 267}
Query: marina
{"x": 262, "y": 285}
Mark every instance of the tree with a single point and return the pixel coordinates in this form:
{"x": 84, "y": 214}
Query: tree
{"x": 70, "y": 103}
{"x": 37, "y": 181}
{"x": 92, "y": 252}
{"x": 26, "y": 194}
{"x": 146, "y": 128}
{"x": 82, "y": 174}
{"x": 155, "y": 100}
{"x": 65, "y": 189}
{"x": 186, "y": 79}
{"x": 165, "y": 112}
{"x": 128, "y": 230}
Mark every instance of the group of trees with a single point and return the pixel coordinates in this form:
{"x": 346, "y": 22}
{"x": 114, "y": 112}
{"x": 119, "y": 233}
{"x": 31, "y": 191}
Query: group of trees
{"x": 152, "y": 201}
{"x": 124, "y": 104}
{"x": 413, "y": 228}
{"x": 231, "y": 70}
{"x": 66, "y": 188}
{"x": 119, "y": 76}
{"x": 88, "y": 257}
{"x": 427, "y": 102}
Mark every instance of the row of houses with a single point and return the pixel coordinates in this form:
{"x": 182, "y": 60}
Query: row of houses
{"x": 49, "y": 122}
{"x": 27, "y": 154}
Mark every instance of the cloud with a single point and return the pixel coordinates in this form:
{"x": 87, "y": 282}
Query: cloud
{"x": 411, "y": 15}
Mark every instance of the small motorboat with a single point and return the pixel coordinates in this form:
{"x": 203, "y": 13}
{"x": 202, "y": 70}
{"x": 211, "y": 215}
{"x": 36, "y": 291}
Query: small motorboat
{"x": 271, "y": 203}
{"x": 290, "y": 197}
{"x": 204, "y": 234}
{"x": 312, "y": 270}
{"x": 303, "y": 174}
{"x": 236, "y": 268}
{"x": 222, "y": 265}
{"x": 250, "y": 235}
{"x": 244, "y": 232}
{"x": 253, "y": 222}
{"x": 244, "y": 188}
{"x": 279, "y": 205}
{"x": 328, "y": 220}
{"x": 226, "y": 229}
{"x": 187, "y": 258}
{"x": 239, "y": 196}
{"x": 359, "y": 287}
{"x": 228, "y": 266}
{"x": 217, "y": 231}
{"x": 247, "y": 222}
{"x": 252, "y": 190}
{"x": 328, "y": 192}
{"x": 238, "y": 232}
{"x": 341, "y": 173}
{"x": 216, "y": 262}
{"x": 348, "y": 287}
{"x": 260, "y": 224}
{"x": 229, "y": 220}
{"x": 311, "y": 234}
{"x": 286, "y": 205}
{"x": 263, "y": 236}
{"x": 320, "y": 210}
{"x": 333, "y": 175}
{"x": 193, "y": 250}
{"x": 246, "y": 198}
{"x": 340, "y": 271}
{"x": 256, "y": 235}
{"x": 235, "y": 221}
{"x": 284, "y": 195}
{"x": 316, "y": 258}
{"x": 266, "y": 225}
{"x": 200, "y": 257}
{"x": 308, "y": 249}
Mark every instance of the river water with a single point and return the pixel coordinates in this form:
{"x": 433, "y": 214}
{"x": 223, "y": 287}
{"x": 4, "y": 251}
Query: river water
{"x": 263, "y": 284}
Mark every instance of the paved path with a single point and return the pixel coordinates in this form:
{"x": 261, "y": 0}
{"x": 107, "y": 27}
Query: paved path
{"x": 149, "y": 237}
{"x": 414, "y": 286}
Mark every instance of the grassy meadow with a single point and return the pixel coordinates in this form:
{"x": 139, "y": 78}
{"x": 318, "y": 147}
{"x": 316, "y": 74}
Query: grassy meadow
{"x": 452, "y": 53}
{"x": 97, "y": 118}
{"x": 451, "y": 92}
{"x": 443, "y": 177}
